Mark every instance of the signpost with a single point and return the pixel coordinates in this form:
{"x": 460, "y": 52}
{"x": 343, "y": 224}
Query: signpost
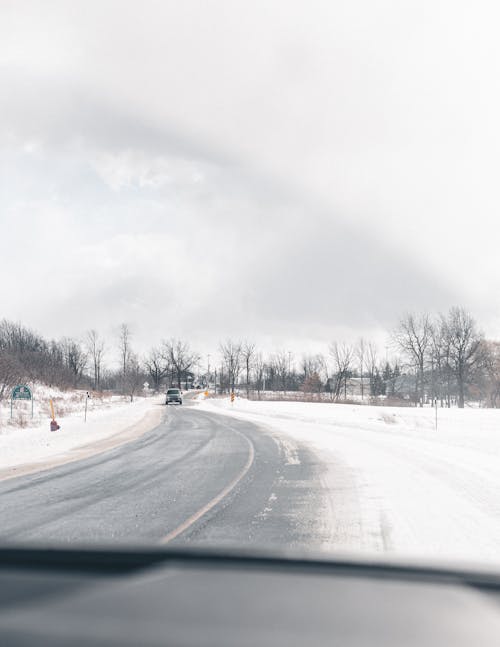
{"x": 86, "y": 404}
{"x": 21, "y": 392}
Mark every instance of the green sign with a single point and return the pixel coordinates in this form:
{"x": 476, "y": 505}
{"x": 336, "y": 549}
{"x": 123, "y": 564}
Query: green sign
{"x": 21, "y": 392}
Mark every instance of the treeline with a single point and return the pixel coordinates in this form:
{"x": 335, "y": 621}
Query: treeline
{"x": 443, "y": 359}
{"x": 26, "y": 356}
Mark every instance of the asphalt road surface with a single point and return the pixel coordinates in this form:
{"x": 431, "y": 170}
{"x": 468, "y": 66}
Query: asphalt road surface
{"x": 196, "y": 478}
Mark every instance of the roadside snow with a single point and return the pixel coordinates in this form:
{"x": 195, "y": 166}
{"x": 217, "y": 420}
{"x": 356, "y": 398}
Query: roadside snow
{"x": 36, "y": 444}
{"x": 394, "y": 482}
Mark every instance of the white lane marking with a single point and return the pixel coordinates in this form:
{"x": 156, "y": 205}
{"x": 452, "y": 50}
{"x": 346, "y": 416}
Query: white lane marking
{"x": 213, "y": 502}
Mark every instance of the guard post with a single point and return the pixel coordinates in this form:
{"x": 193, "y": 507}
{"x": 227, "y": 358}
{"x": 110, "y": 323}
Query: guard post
{"x": 86, "y": 403}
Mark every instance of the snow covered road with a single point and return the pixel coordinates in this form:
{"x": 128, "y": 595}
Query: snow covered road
{"x": 395, "y": 483}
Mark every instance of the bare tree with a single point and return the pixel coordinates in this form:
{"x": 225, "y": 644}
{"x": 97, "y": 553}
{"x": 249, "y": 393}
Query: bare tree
{"x": 75, "y": 359}
{"x": 371, "y": 359}
{"x": 492, "y": 366}
{"x": 360, "y": 353}
{"x": 259, "y": 372}
{"x": 125, "y": 336}
{"x": 442, "y": 380}
{"x": 18, "y": 339}
{"x": 54, "y": 370}
{"x": 133, "y": 378}
{"x": 342, "y": 355}
{"x": 11, "y": 372}
{"x": 248, "y": 355}
{"x": 231, "y": 352}
{"x": 157, "y": 365}
{"x": 95, "y": 348}
{"x": 180, "y": 357}
{"x": 280, "y": 363}
{"x": 467, "y": 351}
{"x": 413, "y": 337}
{"x": 311, "y": 364}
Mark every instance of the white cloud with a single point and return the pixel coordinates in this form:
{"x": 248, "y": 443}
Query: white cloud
{"x": 131, "y": 168}
{"x": 299, "y": 169}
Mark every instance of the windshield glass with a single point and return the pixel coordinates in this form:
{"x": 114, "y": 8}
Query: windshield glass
{"x": 283, "y": 213}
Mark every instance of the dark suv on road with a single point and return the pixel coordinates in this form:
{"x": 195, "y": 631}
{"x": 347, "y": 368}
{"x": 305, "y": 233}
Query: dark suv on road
{"x": 173, "y": 395}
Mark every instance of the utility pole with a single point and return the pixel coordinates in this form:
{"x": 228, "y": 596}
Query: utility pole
{"x": 208, "y": 370}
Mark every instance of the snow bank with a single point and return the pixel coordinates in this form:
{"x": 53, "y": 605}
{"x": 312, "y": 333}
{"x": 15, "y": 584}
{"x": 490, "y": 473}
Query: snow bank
{"x": 106, "y": 418}
{"x": 68, "y": 402}
{"x": 394, "y": 481}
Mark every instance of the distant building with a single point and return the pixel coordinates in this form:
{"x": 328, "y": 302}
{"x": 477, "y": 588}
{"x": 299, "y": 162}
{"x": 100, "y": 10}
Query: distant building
{"x": 353, "y": 388}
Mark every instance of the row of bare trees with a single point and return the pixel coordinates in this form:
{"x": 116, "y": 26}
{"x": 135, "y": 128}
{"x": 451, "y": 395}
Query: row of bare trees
{"x": 26, "y": 356}
{"x": 444, "y": 358}
{"x": 173, "y": 361}
{"x": 313, "y": 373}
{"x": 441, "y": 358}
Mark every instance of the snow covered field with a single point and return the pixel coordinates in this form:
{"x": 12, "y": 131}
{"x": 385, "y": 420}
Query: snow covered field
{"x": 393, "y": 481}
{"x": 35, "y": 443}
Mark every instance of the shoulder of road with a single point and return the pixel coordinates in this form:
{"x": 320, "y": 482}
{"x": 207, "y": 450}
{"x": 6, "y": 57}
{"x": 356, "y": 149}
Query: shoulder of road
{"x": 130, "y": 432}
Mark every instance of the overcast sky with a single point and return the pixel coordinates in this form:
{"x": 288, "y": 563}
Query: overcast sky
{"x": 290, "y": 172}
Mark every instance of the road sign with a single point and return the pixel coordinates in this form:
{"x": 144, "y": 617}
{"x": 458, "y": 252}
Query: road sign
{"x": 232, "y": 396}
{"x": 21, "y": 392}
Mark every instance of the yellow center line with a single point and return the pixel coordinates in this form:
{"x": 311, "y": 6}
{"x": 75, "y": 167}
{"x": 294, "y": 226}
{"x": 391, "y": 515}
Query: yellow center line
{"x": 213, "y": 502}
